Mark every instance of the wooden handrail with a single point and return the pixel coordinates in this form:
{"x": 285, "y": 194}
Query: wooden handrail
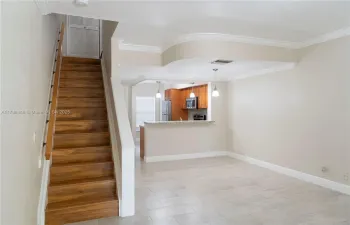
{"x": 52, "y": 116}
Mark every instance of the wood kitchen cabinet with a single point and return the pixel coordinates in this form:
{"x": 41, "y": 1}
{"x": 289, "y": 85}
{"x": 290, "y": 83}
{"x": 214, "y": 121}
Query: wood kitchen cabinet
{"x": 200, "y": 91}
{"x": 177, "y": 110}
{"x": 183, "y": 98}
{"x": 178, "y": 100}
{"x": 203, "y": 97}
{"x": 142, "y": 142}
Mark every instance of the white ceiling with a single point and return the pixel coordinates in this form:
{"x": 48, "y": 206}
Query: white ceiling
{"x": 159, "y": 23}
{"x": 201, "y": 70}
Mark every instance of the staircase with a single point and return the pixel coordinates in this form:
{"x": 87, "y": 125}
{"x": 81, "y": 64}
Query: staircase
{"x": 82, "y": 183}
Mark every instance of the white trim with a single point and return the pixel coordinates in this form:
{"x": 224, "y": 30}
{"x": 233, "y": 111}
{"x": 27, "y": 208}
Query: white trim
{"x": 123, "y": 152}
{"x": 43, "y": 192}
{"x": 286, "y": 66}
{"x": 238, "y": 39}
{"x": 325, "y": 37}
{"x": 231, "y": 38}
{"x": 139, "y": 48}
{"x": 112, "y": 128}
{"x": 185, "y": 156}
{"x": 335, "y": 186}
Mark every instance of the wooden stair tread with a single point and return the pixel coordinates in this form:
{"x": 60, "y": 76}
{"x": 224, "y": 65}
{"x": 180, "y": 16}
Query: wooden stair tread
{"x": 84, "y": 83}
{"x": 82, "y": 210}
{"x": 82, "y": 154}
{"x": 79, "y": 189}
{"x": 80, "y": 203}
{"x": 79, "y": 164}
{"x": 81, "y": 92}
{"x": 70, "y": 172}
{"x": 84, "y": 181}
{"x": 80, "y": 67}
{"x": 82, "y": 113}
{"x": 69, "y": 59}
{"x": 84, "y": 75}
{"x": 80, "y": 126}
{"x": 81, "y": 102}
{"x": 76, "y": 140}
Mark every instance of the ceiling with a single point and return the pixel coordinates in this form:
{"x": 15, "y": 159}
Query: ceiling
{"x": 161, "y": 23}
{"x": 199, "y": 69}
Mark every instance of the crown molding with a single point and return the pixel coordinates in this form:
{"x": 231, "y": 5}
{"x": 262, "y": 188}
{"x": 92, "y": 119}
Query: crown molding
{"x": 232, "y": 38}
{"x": 279, "y": 68}
{"x": 238, "y": 39}
{"x": 139, "y": 48}
{"x": 325, "y": 37}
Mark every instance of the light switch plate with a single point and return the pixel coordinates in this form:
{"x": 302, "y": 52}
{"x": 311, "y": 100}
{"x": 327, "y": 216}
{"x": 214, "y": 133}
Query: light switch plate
{"x": 34, "y": 137}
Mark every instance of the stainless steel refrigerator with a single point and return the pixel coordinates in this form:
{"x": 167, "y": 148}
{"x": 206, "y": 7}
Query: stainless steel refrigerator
{"x": 166, "y": 110}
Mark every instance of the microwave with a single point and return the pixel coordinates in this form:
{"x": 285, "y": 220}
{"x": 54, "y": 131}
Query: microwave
{"x": 192, "y": 103}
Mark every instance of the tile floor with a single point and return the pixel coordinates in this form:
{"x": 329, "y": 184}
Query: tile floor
{"x": 224, "y": 191}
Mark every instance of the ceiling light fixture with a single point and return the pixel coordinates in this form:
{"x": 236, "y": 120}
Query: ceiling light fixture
{"x": 215, "y": 92}
{"x": 158, "y": 95}
{"x": 192, "y": 95}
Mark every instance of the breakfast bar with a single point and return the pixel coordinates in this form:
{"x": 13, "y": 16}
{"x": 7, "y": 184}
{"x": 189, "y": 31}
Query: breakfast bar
{"x": 173, "y": 140}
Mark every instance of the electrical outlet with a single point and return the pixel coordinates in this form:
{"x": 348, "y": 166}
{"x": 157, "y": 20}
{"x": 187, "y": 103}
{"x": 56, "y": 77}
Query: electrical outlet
{"x": 346, "y": 177}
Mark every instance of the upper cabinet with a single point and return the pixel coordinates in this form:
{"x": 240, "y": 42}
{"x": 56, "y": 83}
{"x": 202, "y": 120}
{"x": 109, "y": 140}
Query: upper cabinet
{"x": 177, "y": 112}
{"x": 200, "y": 91}
{"x": 203, "y": 97}
{"x": 179, "y": 96}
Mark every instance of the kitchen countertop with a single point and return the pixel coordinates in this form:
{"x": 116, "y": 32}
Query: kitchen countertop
{"x": 180, "y": 122}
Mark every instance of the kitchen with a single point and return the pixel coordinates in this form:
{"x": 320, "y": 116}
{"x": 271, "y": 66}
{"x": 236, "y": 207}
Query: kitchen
{"x": 188, "y": 103}
{"x": 184, "y": 127}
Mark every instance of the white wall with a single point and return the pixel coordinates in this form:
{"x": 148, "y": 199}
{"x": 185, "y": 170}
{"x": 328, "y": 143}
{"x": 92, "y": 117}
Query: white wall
{"x": 181, "y": 138}
{"x": 135, "y": 58}
{"x": 300, "y": 118}
{"x": 218, "y": 112}
{"x": 27, "y": 40}
{"x": 108, "y": 28}
{"x": 146, "y": 90}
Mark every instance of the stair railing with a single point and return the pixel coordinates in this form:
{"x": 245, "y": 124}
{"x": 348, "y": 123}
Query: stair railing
{"x": 50, "y": 126}
{"x": 54, "y": 93}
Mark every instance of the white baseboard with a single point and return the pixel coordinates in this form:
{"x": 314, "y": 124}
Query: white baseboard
{"x": 185, "y": 156}
{"x": 335, "y": 186}
{"x": 43, "y": 192}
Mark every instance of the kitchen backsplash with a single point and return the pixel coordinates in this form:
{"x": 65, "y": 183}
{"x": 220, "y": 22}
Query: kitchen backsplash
{"x": 192, "y": 112}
